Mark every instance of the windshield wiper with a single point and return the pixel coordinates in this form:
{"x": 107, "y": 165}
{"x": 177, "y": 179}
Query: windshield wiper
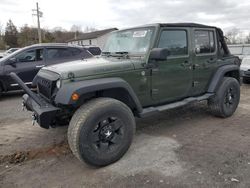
{"x": 116, "y": 54}
{"x": 106, "y": 53}
{"x": 122, "y": 53}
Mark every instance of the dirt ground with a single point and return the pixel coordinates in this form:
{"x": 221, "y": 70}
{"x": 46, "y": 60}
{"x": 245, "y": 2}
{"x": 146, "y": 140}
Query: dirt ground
{"x": 184, "y": 147}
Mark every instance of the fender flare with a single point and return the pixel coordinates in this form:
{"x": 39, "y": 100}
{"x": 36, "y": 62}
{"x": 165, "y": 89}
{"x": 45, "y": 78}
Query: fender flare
{"x": 219, "y": 75}
{"x": 64, "y": 94}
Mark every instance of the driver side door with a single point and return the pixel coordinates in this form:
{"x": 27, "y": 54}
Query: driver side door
{"x": 172, "y": 78}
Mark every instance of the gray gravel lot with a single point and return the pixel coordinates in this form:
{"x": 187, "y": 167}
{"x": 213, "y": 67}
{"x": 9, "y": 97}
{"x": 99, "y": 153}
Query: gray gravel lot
{"x": 184, "y": 147}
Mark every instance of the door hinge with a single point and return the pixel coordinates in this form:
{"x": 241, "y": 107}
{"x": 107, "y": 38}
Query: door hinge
{"x": 195, "y": 83}
{"x": 195, "y": 66}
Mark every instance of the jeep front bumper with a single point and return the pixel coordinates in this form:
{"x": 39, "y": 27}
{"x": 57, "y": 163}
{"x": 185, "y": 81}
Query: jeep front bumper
{"x": 44, "y": 113}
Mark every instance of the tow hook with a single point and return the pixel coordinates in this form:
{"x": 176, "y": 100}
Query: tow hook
{"x": 34, "y": 118}
{"x": 23, "y": 106}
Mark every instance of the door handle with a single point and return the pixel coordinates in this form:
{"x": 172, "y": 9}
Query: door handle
{"x": 40, "y": 66}
{"x": 211, "y": 60}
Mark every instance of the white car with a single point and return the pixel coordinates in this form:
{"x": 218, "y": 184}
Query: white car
{"x": 1, "y": 54}
{"x": 9, "y": 51}
{"x": 245, "y": 69}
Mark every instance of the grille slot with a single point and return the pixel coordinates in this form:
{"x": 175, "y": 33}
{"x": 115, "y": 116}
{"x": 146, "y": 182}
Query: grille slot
{"x": 45, "y": 87}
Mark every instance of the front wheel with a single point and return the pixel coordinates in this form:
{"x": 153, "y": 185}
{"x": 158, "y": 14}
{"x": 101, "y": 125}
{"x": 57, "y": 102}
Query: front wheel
{"x": 226, "y": 99}
{"x": 101, "y": 131}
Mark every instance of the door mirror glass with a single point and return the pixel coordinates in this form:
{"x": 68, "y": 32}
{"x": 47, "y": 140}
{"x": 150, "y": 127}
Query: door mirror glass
{"x": 159, "y": 54}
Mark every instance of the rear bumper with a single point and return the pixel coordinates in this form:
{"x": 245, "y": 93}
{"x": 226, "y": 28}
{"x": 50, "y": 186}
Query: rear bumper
{"x": 44, "y": 114}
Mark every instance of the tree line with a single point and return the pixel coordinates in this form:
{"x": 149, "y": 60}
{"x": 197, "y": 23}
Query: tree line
{"x": 11, "y": 36}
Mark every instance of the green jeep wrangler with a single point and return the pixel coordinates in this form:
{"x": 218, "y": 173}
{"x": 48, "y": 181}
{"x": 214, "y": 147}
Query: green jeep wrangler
{"x": 142, "y": 71}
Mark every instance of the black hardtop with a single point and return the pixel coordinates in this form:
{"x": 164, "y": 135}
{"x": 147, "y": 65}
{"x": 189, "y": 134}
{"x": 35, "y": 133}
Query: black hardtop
{"x": 185, "y": 25}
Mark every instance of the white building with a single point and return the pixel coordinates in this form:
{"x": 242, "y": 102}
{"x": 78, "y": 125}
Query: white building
{"x": 95, "y": 38}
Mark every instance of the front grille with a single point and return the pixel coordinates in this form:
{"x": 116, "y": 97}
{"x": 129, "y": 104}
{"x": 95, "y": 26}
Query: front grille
{"x": 45, "y": 87}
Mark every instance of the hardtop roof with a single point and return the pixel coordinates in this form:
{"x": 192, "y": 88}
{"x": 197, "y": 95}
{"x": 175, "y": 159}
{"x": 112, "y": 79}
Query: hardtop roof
{"x": 185, "y": 25}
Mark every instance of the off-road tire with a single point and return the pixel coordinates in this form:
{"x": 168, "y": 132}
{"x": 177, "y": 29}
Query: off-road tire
{"x": 220, "y": 105}
{"x": 88, "y": 122}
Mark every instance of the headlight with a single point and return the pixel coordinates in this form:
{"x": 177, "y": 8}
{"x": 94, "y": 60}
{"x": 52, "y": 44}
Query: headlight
{"x": 58, "y": 83}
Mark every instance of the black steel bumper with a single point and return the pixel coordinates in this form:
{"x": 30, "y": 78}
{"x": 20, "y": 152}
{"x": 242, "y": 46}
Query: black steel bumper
{"x": 44, "y": 113}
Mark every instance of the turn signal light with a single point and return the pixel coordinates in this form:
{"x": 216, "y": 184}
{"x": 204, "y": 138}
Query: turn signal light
{"x": 75, "y": 97}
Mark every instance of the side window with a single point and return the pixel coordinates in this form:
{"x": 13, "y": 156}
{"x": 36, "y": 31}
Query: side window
{"x": 175, "y": 41}
{"x": 58, "y": 53}
{"x": 74, "y": 51}
{"x": 30, "y": 55}
{"x": 204, "y": 42}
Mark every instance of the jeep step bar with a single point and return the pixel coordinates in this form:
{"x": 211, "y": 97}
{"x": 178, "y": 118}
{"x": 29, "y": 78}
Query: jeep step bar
{"x": 152, "y": 110}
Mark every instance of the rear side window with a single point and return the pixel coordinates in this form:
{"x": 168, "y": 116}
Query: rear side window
{"x": 94, "y": 50}
{"x": 175, "y": 41}
{"x": 58, "y": 53}
{"x": 204, "y": 42}
{"x": 75, "y": 51}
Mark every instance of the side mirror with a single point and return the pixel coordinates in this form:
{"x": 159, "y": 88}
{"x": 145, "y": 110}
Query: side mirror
{"x": 159, "y": 54}
{"x": 12, "y": 61}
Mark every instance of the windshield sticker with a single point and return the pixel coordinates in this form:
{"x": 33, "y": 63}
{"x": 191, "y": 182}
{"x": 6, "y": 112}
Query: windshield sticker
{"x": 140, "y": 33}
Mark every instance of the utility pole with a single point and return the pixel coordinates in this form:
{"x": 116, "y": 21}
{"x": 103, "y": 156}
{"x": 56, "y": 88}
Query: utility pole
{"x": 38, "y": 14}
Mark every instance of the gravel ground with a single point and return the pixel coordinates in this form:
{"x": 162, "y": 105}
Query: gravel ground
{"x": 184, "y": 147}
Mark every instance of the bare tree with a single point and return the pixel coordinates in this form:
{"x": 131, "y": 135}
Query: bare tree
{"x": 248, "y": 39}
{"x": 77, "y": 29}
{"x": 11, "y": 34}
{"x": 89, "y": 29}
{"x": 232, "y": 36}
{"x": 2, "y": 43}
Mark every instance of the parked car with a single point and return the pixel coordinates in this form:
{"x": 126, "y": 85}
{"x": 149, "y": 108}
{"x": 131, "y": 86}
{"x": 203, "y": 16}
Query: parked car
{"x": 1, "y": 54}
{"x": 245, "y": 69}
{"x": 10, "y": 51}
{"x": 26, "y": 62}
{"x": 142, "y": 71}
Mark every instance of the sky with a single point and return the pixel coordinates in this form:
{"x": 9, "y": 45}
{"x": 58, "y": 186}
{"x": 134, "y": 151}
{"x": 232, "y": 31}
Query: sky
{"x": 102, "y": 14}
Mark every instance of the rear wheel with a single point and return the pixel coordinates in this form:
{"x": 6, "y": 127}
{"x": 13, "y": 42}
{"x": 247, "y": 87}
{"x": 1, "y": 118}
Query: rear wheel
{"x": 101, "y": 131}
{"x": 226, "y": 99}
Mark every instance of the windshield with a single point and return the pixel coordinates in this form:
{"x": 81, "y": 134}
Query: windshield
{"x": 133, "y": 41}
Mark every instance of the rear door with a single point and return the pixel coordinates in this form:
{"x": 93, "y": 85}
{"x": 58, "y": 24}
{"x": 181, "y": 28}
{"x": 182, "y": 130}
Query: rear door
{"x": 204, "y": 59}
{"x": 27, "y": 65}
{"x": 172, "y": 79}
